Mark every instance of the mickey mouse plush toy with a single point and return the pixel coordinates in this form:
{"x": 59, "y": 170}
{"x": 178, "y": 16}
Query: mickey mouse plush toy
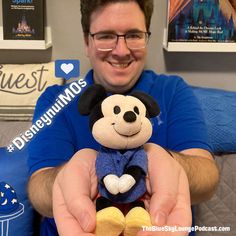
{"x": 121, "y": 125}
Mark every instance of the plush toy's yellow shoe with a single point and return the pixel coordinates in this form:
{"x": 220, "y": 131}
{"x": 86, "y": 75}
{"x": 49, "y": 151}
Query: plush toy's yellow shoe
{"x": 110, "y": 222}
{"x": 135, "y": 219}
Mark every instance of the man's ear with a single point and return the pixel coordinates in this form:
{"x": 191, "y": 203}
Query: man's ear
{"x": 90, "y": 98}
{"x": 149, "y": 102}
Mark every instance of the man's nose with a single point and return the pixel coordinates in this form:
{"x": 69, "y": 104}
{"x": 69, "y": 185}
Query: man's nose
{"x": 121, "y": 47}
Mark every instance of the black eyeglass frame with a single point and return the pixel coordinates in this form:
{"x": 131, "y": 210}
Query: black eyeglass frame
{"x": 147, "y": 35}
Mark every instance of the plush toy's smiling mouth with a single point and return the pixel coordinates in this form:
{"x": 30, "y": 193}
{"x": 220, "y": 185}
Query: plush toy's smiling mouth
{"x": 124, "y": 135}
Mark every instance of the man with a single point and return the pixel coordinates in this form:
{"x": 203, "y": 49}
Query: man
{"x": 63, "y": 182}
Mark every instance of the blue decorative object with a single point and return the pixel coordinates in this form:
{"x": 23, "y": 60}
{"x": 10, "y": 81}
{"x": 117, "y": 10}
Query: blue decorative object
{"x": 16, "y": 213}
{"x": 8, "y": 199}
{"x": 219, "y": 109}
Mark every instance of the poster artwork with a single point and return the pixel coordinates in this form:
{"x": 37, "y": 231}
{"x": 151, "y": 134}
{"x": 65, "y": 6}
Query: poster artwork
{"x": 202, "y": 21}
{"x": 23, "y": 19}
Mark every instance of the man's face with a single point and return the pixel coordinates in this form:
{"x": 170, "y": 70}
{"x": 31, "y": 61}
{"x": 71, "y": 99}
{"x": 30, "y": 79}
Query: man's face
{"x": 119, "y": 69}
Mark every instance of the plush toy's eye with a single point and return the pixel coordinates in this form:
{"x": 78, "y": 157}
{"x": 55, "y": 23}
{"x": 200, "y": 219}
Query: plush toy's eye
{"x": 136, "y": 110}
{"x": 117, "y": 110}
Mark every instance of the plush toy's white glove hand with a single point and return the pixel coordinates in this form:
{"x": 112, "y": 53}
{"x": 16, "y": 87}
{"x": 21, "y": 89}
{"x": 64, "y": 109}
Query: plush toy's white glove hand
{"x": 112, "y": 184}
{"x": 126, "y": 183}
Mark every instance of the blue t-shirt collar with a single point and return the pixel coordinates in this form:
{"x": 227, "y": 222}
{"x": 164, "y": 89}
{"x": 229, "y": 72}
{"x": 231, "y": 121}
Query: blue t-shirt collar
{"x": 144, "y": 83}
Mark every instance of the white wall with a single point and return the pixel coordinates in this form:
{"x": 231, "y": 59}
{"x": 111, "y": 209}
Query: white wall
{"x": 203, "y": 69}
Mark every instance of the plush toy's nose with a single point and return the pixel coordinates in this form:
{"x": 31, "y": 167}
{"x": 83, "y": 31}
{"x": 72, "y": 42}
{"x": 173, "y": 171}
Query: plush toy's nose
{"x": 130, "y": 116}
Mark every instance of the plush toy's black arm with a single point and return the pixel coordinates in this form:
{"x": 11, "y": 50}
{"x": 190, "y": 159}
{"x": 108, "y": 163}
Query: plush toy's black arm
{"x": 135, "y": 171}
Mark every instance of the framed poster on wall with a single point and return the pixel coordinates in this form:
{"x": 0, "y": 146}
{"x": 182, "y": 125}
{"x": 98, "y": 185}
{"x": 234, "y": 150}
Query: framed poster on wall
{"x": 197, "y": 24}
{"x": 24, "y": 25}
{"x": 23, "y": 20}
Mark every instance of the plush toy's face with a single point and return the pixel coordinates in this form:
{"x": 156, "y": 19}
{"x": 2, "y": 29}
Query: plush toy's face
{"x": 124, "y": 123}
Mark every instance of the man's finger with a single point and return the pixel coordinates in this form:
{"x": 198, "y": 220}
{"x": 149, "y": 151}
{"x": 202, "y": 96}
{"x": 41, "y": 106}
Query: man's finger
{"x": 164, "y": 180}
{"x": 179, "y": 219}
{"x": 182, "y": 214}
{"x": 79, "y": 184}
{"x": 66, "y": 223}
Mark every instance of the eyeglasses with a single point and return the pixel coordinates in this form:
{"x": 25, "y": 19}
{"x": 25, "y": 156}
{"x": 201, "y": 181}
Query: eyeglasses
{"x": 108, "y": 41}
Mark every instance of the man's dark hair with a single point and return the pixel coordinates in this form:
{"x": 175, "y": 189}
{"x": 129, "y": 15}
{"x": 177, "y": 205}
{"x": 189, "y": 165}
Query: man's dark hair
{"x": 87, "y": 7}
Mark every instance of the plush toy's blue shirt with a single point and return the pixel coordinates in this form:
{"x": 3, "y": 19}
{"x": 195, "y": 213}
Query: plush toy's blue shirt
{"x": 110, "y": 161}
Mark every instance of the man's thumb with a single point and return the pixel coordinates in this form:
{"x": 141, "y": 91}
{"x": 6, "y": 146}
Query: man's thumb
{"x": 86, "y": 215}
{"x": 160, "y": 207}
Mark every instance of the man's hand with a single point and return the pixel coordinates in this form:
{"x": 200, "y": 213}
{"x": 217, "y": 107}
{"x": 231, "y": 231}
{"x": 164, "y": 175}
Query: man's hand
{"x": 74, "y": 187}
{"x": 169, "y": 199}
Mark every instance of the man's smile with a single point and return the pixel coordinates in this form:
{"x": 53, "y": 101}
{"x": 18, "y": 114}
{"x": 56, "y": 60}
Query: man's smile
{"x": 120, "y": 65}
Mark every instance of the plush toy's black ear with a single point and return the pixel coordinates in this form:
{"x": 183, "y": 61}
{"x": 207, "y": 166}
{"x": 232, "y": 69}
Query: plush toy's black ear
{"x": 90, "y": 98}
{"x": 150, "y": 104}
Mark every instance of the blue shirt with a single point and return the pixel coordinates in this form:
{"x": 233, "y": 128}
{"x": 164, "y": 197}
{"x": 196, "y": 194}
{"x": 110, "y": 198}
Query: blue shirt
{"x": 179, "y": 126}
{"x": 110, "y": 161}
